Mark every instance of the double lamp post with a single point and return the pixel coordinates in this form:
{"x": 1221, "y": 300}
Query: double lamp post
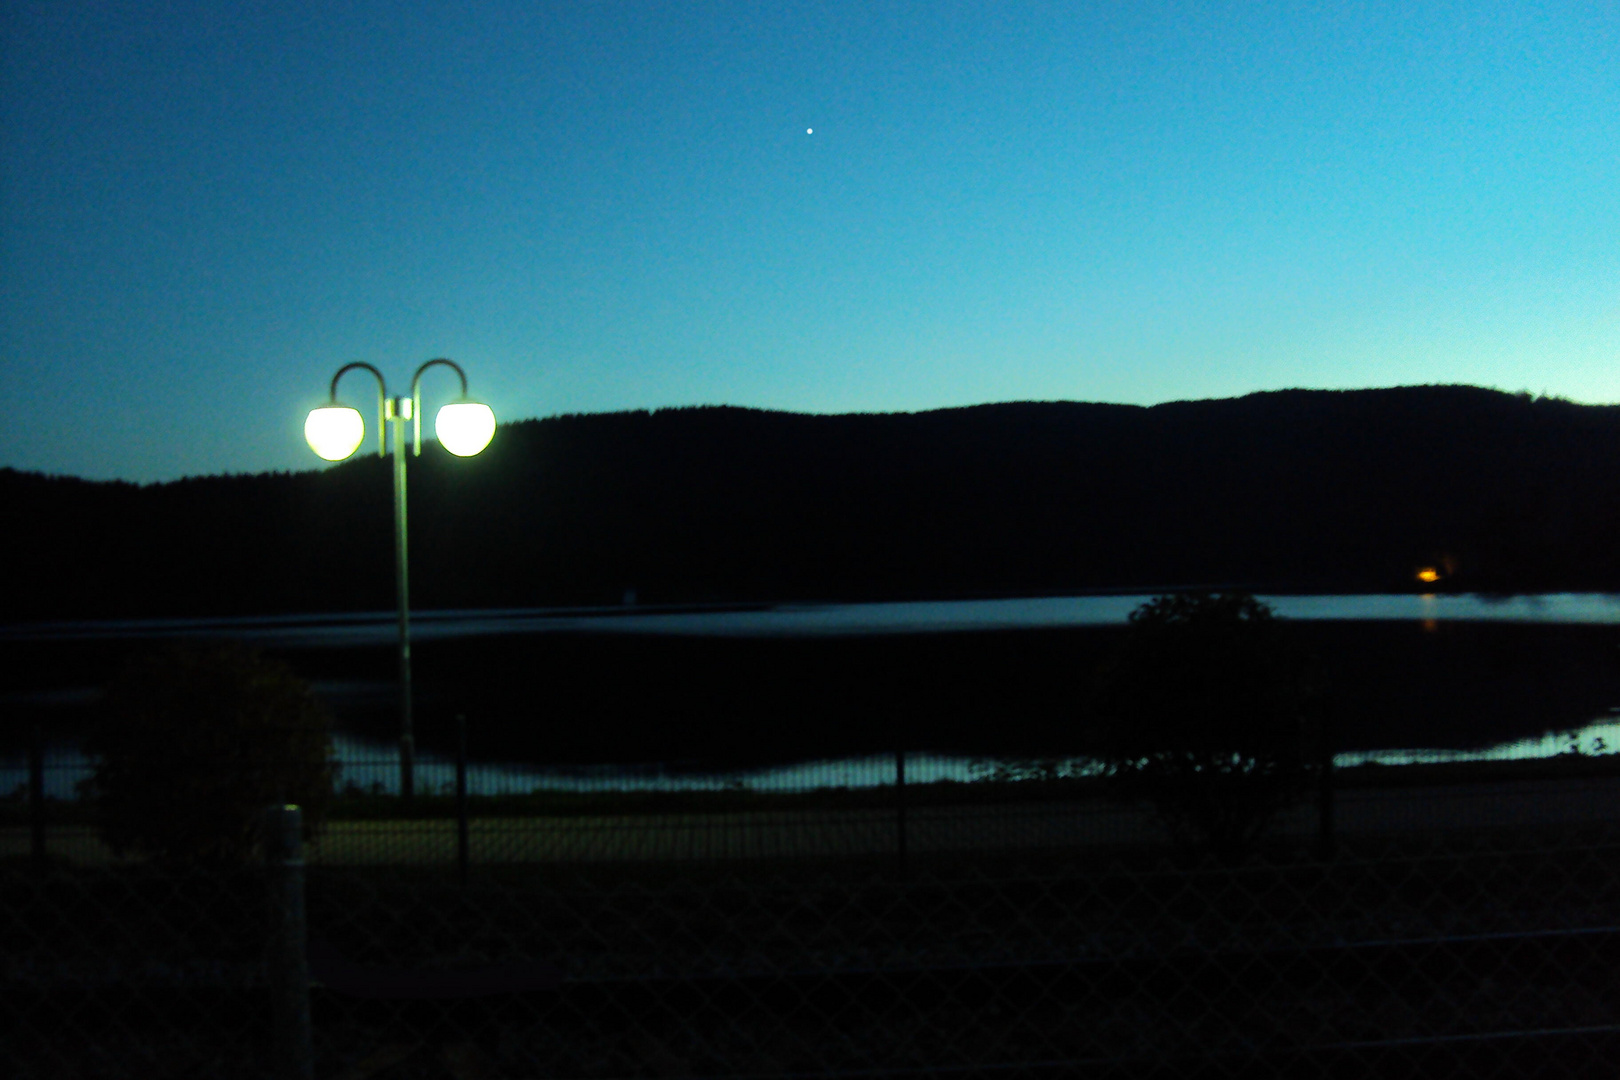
{"x": 335, "y": 431}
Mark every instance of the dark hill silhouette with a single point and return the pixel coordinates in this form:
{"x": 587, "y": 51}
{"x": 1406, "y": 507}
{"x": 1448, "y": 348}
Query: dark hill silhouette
{"x": 1331, "y": 490}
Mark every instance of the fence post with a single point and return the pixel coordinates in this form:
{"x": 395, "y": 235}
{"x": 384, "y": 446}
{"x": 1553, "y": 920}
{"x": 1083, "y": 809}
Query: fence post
{"x": 900, "y": 808}
{"x": 461, "y": 796}
{"x": 294, "y": 1046}
{"x": 36, "y": 796}
{"x": 1326, "y": 842}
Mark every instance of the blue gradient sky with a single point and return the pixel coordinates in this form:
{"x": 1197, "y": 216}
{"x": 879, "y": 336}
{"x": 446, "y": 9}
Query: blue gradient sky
{"x": 207, "y": 208}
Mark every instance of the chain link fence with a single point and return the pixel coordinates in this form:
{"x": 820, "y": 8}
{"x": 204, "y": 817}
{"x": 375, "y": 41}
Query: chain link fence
{"x": 132, "y": 971}
{"x": 1465, "y": 931}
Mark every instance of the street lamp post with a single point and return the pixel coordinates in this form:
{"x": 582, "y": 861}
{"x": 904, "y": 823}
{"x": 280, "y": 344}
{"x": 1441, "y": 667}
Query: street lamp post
{"x": 464, "y": 428}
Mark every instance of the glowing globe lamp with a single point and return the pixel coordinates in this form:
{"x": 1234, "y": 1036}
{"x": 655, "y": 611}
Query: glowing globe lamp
{"x": 465, "y": 427}
{"x": 334, "y": 431}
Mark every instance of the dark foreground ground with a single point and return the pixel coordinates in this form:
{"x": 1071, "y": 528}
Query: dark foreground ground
{"x": 1485, "y": 953}
{"x": 1450, "y": 942}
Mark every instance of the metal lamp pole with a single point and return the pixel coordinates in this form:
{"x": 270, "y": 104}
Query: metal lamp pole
{"x": 400, "y": 410}
{"x": 336, "y": 436}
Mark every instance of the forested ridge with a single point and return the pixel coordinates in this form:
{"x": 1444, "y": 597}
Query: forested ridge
{"x": 1331, "y": 490}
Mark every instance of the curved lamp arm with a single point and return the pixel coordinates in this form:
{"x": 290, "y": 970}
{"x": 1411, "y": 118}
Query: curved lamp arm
{"x": 382, "y": 393}
{"x": 416, "y": 399}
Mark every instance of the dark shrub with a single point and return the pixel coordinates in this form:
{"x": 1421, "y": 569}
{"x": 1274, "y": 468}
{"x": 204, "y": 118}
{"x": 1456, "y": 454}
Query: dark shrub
{"x": 1207, "y": 711}
{"x": 195, "y": 742}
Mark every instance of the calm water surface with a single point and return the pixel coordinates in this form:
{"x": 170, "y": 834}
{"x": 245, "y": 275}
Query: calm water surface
{"x": 374, "y": 765}
{"x": 793, "y": 620}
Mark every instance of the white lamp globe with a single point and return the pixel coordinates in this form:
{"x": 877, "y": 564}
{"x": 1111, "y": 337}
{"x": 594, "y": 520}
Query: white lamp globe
{"x": 334, "y": 431}
{"x": 465, "y": 427}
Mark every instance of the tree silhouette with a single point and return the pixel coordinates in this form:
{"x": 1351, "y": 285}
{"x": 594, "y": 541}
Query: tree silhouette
{"x": 1206, "y": 711}
{"x": 195, "y": 742}
{"x": 1317, "y": 490}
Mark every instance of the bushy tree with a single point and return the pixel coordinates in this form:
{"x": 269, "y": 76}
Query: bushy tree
{"x": 195, "y": 742}
{"x": 1208, "y": 710}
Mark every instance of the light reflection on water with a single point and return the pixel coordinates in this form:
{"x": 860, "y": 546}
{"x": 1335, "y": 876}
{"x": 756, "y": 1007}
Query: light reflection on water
{"x": 372, "y": 766}
{"x": 813, "y": 620}
{"x": 1598, "y": 737}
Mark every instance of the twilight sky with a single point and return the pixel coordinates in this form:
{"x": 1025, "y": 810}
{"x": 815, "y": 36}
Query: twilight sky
{"x": 206, "y": 208}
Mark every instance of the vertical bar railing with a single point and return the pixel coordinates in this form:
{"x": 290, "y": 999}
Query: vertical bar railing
{"x": 36, "y": 795}
{"x": 461, "y": 796}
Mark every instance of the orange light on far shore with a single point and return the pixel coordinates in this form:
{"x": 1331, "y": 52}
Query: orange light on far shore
{"x": 1428, "y": 574}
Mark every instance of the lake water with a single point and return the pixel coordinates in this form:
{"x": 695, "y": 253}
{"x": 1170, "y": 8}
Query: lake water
{"x": 374, "y": 765}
